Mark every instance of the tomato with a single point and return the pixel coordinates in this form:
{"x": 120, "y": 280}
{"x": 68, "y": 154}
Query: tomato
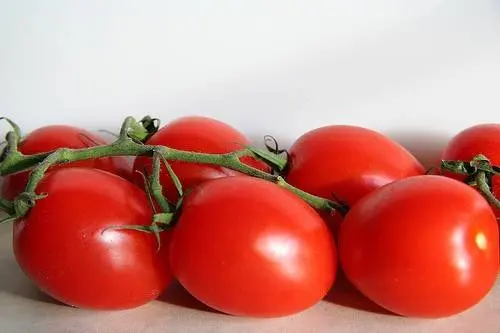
{"x": 245, "y": 246}
{"x": 424, "y": 246}
{"x": 66, "y": 247}
{"x": 198, "y": 134}
{"x": 347, "y": 162}
{"x": 480, "y": 139}
{"x": 52, "y": 137}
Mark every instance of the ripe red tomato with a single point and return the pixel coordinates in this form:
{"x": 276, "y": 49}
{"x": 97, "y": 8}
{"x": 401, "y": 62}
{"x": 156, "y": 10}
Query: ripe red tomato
{"x": 245, "y": 246}
{"x": 347, "y": 163}
{"x": 480, "y": 139}
{"x": 425, "y": 246}
{"x": 64, "y": 244}
{"x": 198, "y": 134}
{"x": 52, "y": 137}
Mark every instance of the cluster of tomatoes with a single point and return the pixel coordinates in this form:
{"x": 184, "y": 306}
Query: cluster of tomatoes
{"x": 417, "y": 244}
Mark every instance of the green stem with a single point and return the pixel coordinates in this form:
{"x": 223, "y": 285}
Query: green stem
{"x": 125, "y": 146}
{"x": 483, "y": 187}
{"x": 315, "y": 201}
{"x": 66, "y": 155}
{"x": 479, "y": 172}
{"x": 155, "y": 185}
{"x": 173, "y": 177}
{"x": 6, "y": 206}
{"x": 16, "y": 131}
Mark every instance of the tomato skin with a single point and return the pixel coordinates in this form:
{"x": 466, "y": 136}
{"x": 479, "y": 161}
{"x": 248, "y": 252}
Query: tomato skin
{"x": 63, "y": 246}
{"x": 198, "y": 134}
{"x": 52, "y": 137}
{"x": 425, "y": 246}
{"x": 346, "y": 163}
{"x": 479, "y": 139}
{"x": 247, "y": 247}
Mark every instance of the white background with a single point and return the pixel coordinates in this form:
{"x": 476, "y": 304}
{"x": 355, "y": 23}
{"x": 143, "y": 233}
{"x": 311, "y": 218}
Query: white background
{"x": 417, "y": 70}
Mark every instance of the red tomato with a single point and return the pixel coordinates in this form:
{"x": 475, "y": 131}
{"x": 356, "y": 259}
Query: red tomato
{"x": 198, "y": 134}
{"x": 50, "y": 138}
{"x": 425, "y": 246}
{"x": 245, "y": 246}
{"x": 480, "y": 139}
{"x": 347, "y": 163}
{"x": 63, "y": 246}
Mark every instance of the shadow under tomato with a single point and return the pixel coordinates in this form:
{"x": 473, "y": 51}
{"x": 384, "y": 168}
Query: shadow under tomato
{"x": 176, "y": 294}
{"x": 14, "y": 282}
{"x": 343, "y": 293}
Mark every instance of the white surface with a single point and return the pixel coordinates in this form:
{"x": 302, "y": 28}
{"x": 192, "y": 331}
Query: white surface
{"x": 417, "y": 70}
{"x": 24, "y": 309}
{"x": 394, "y": 65}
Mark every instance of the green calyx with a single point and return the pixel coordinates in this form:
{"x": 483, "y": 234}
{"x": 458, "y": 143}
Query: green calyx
{"x": 141, "y": 131}
{"x": 160, "y": 223}
{"x": 479, "y": 173}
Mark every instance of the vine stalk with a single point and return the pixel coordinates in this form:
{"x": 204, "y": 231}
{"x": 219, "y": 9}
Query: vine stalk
{"x": 129, "y": 144}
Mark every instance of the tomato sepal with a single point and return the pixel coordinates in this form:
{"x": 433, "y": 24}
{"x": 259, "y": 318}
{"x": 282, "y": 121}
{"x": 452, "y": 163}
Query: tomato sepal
{"x": 479, "y": 173}
{"x": 25, "y": 201}
{"x": 142, "y": 130}
{"x": 160, "y": 223}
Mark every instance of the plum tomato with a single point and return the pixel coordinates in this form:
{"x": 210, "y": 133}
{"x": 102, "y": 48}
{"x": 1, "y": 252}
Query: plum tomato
{"x": 245, "y": 246}
{"x": 69, "y": 247}
{"x": 424, "y": 246}
{"x": 346, "y": 163}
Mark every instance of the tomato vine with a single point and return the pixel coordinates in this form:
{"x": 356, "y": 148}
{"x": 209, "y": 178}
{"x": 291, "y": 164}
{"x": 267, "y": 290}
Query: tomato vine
{"x": 130, "y": 142}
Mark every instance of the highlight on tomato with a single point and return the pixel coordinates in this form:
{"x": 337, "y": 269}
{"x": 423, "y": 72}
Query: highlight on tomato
{"x": 245, "y": 246}
{"x": 196, "y": 134}
{"x": 425, "y": 246}
{"x": 52, "y": 137}
{"x": 346, "y": 163}
{"x": 71, "y": 246}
